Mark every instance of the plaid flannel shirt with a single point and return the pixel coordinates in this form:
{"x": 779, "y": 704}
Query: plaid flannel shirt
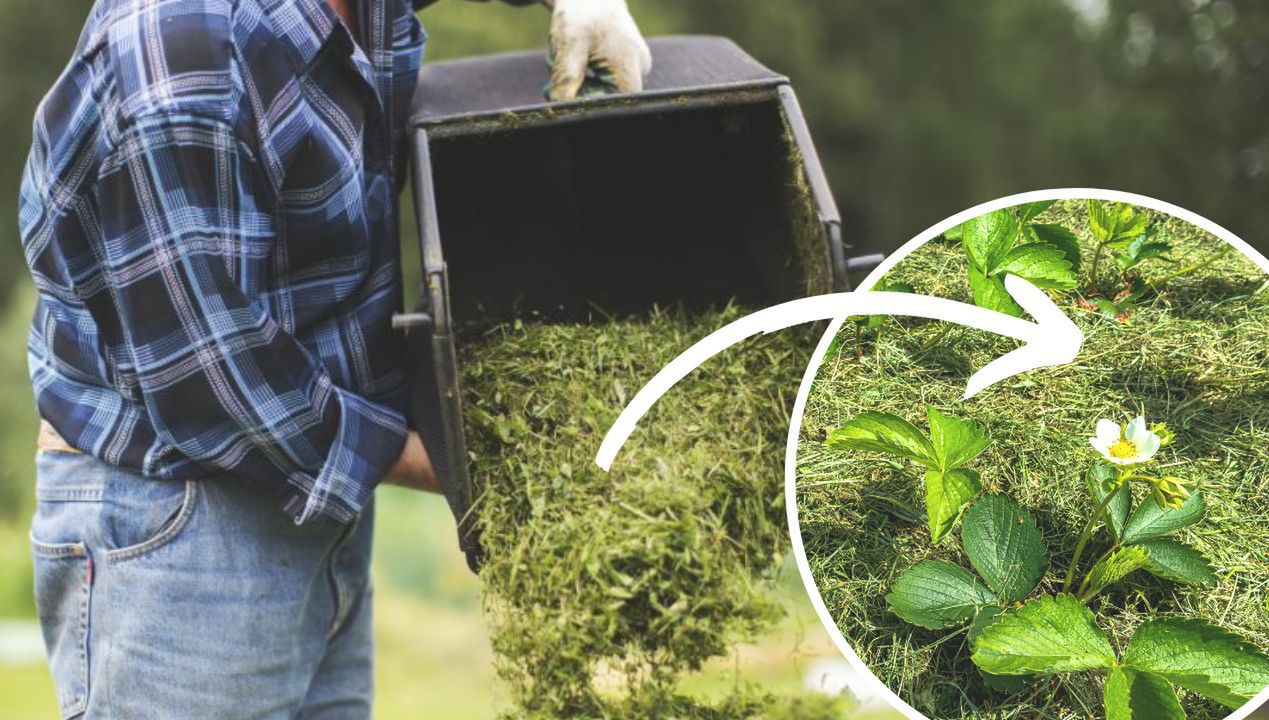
{"x": 209, "y": 215}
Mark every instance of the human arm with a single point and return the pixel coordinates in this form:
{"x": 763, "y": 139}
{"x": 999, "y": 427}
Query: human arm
{"x": 190, "y": 234}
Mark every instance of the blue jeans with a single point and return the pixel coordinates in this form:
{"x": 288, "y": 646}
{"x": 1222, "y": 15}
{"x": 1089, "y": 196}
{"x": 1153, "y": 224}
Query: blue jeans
{"x": 196, "y": 599}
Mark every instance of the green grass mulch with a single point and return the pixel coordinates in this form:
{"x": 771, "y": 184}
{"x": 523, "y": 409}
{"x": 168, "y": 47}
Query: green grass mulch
{"x": 604, "y": 592}
{"x": 1194, "y": 354}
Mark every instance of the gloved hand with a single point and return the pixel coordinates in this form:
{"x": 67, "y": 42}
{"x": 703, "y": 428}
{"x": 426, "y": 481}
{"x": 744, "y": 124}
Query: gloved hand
{"x": 601, "y": 32}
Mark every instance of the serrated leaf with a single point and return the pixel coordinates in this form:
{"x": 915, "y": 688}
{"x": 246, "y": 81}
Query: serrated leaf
{"x": 1059, "y": 237}
{"x": 1115, "y": 224}
{"x": 1150, "y": 520}
{"x": 1146, "y": 251}
{"x": 1030, "y": 211}
{"x": 1100, "y": 220}
{"x": 1116, "y": 514}
{"x": 1051, "y": 634}
{"x": 946, "y": 497}
{"x": 1042, "y": 264}
{"x": 1199, "y": 657}
{"x": 884, "y": 433}
{"x": 986, "y": 617}
{"x": 1113, "y": 568}
{"x": 1129, "y": 225}
{"x": 1132, "y": 695}
{"x": 987, "y": 238}
{"x": 955, "y": 233}
{"x": 1176, "y": 561}
{"x": 1004, "y": 546}
{"x": 989, "y": 292}
{"x": 956, "y": 441}
{"x": 936, "y": 594}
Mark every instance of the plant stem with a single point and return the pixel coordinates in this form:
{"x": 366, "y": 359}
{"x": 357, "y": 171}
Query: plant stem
{"x": 1089, "y": 528}
{"x": 1196, "y": 266}
{"x": 1089, "y": 576}
{"x": 1097, "y": 259}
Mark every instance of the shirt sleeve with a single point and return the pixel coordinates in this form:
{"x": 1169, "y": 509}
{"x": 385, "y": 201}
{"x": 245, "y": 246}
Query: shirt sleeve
{"x": 190, "y": 237}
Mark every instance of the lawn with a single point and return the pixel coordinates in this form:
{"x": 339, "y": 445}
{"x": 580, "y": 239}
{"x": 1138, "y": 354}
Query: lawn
{"x": 1193, "y": 354}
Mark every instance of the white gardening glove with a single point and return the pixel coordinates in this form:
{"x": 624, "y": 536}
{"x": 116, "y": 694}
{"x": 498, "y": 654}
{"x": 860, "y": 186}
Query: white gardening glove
{"x": 598, "y": 31}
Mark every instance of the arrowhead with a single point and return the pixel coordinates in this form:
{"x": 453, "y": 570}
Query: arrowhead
{"x": 1055, "y": 341}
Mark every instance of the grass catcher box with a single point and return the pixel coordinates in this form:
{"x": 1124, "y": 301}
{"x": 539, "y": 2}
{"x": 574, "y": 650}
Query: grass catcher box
{"x": 702, "y": 189}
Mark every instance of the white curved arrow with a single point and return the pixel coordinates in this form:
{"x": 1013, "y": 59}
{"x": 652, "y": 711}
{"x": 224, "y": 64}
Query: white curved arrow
{"x": 1051, "y": 340}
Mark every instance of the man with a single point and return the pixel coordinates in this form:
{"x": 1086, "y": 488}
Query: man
{"x": 209, "y": 215}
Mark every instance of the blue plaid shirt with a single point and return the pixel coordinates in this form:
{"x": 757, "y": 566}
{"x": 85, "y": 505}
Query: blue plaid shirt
{"x": 209, "y": 214}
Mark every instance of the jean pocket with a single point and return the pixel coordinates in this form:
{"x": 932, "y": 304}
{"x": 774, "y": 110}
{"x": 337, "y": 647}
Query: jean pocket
{"x": 148, "y": 527}
{"x": 63, "y": 587}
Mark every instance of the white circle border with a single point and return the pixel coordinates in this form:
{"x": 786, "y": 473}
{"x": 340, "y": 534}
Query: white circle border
{"x": 799, "y": 406}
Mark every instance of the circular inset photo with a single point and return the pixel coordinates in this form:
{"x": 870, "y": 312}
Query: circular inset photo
{"x": 1077, "y": 538}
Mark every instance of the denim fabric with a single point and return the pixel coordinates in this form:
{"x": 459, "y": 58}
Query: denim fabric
{"x": 196, "y": 599}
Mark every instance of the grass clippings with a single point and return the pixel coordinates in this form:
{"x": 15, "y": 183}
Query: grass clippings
{"x": 1194, "y": 354}
{"x": 648, "y": 572}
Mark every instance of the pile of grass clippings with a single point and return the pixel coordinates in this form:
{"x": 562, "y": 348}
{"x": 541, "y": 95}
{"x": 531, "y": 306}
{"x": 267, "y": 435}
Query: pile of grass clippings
{"x": 1194, "y": 355}
{"x": 647, "y": 572}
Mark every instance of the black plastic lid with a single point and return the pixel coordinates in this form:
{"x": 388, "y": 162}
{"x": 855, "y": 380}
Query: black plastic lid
{"x": 495, "y": 86}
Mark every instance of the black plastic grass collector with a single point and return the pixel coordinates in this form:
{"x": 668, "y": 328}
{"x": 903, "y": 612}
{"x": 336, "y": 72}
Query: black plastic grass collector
{"x": 702, "y": 189}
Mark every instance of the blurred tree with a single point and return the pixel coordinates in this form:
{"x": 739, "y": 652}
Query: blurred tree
{"x": 924, "y": 109}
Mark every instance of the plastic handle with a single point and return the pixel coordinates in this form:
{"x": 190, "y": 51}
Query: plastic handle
{"x": 413, "y": 321}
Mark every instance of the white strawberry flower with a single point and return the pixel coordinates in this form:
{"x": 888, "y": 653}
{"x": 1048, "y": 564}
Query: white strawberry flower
{"x": 1131, "y": 444}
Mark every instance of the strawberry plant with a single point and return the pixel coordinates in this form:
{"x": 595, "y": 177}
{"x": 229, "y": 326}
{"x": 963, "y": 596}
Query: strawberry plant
{"x": 1010, "y": 242}
{"x": 1012, "y": 636}
{"x": 952, "y": 442}
{"x": 1059, "y": 634}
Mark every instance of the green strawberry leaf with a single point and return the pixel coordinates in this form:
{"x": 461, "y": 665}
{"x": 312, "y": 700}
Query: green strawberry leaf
{"x": 1059, "y": 237}
{"x": 989, "y": 292}
{"x": 955, "y": 441}
{"x": 955, "y": 233}
{"x": 884, "y": 433}
{"x": 1048, "y": 635}
{"x": 1143, "y": 247}
{"x": 1113, "y": 568}
{"x": 987, "y": 239}
{"x": 986, "y": 617}
{"x": 1132, "y": 695}
{"x": 1115, "y": 224}
{"x": 1004, "y": 546}
{"x": 1100, "y": 220}
{"x": 1199, "y": 657}
{"x": 1107, "y": 308}
{"x": 1130, "y": 225}
{"x": 1030, "y": 211}
{"x": 1150, "y": 521}
{"x": 1042, "y": 264}
{"x": 1176, "y": 561}
{"x": 1116, "y": 514}
{"x": 946, "y": 497}
{"x": 937, "y": 594}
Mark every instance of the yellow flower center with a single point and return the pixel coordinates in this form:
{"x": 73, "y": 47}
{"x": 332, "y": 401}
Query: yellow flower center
{"x": 1123, "y": 449}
